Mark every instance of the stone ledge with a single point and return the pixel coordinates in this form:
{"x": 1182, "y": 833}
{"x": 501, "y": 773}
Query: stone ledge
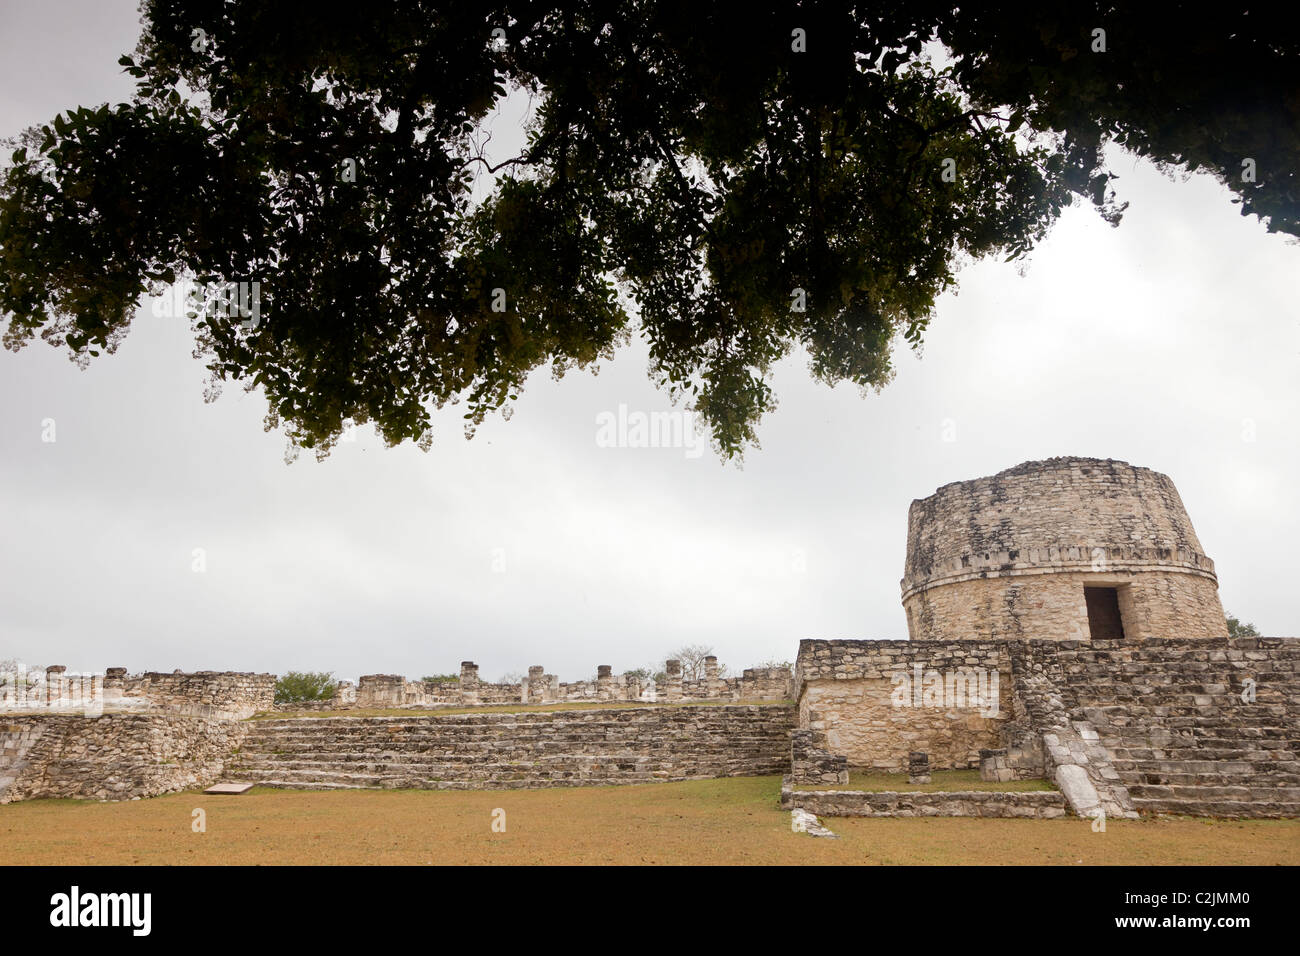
{"x": 1037, "y": 804}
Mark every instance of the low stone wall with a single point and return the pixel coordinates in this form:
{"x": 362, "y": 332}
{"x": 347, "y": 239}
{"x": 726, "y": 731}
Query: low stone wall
{"x": 1038, "y": 804}
{"x": 219, "y": 695}
{"x": 214, "y": 694}
{"x": 113, "y": 756}
{"x": 875, "y": 701}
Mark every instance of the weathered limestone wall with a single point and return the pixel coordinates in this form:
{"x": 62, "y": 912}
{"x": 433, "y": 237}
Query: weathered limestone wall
{"x": 220, "y": 695}
{"x": 111, "y": 757}
{"x": 1153, "y": 604}
{"x": 1007, "y": 556}
{"x": 215, "y": 694}
{"x": 518, "y": 750}
{"x": 874, "y": 701}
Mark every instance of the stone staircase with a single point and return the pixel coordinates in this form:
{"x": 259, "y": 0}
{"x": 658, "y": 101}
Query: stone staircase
{"x": 1171, "y": 714}
{"x": 518, "y": 750}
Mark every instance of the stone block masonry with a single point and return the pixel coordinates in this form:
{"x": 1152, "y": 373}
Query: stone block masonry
{"x": 1201, "y": 726}
{"x": 219, "y": 695}
{"x": 112, "y": 757}
{"x": 1008, "y": 557}
{"x": 810, "y": 764}
{"x": 1040, "y": 804}
{"x": 1194, "y": 726}
{"x": 874, "y": 701}
{"x": 519, "y": 750}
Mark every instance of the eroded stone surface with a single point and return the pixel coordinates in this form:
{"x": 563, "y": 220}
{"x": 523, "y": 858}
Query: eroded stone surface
{"x": 1008, "y": 556}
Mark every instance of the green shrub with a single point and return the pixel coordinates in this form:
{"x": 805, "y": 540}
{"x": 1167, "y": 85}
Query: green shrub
{"x": 1237, "y": 629}
{"x": 297, "y": 686}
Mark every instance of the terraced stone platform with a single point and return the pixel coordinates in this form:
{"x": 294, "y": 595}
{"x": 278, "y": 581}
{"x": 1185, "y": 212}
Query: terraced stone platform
{"x": 1186, "y": 731}
{"x": 516, "y": 750}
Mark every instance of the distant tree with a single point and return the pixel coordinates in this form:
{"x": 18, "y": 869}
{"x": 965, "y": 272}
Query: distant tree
{"x": 12, "y": 669}
{"x": 1237, "y": 629}
{"x": 642, "y": 674}
{"x": 692, "y": 658}
{"x": 730, "y": 188}
{"x": 298, "y": 686}
{"x": 441, "y": 678}
{"x": 512, "y": 677}
{"x": 787, "y": 665}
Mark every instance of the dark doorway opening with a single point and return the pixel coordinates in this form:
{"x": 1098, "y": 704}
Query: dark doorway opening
{"x": 1104, "y": 621}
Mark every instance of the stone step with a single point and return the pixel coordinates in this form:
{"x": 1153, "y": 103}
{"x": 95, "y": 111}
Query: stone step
{"x": 559, "y": 751}
{"x": 487, "y": 777}
{"x": 376, "y": 763}
{"x": 1218, "y": 808}
{"x": 1162, "y": 777}
{"x": 306, "y": 741}
{"x": 1224, "y": 713}
{"x": 1187, "y": 766}
{"x": 1211, "y": 754}
{"x": 1266, "y": 695}
{"x": 1240, "y": 794}
{"x": 299, "y": 785}
{"x": 466, "y": 735}
{"x": 500, "y": 719}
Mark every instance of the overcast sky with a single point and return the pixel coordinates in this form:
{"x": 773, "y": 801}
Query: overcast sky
{"x": 1170, "y": 342}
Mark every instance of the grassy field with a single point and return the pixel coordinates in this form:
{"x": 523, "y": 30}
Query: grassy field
{"x": 940, "y": 781}
{"x": 508, "y": 708}
{"x": 708, "y": 821}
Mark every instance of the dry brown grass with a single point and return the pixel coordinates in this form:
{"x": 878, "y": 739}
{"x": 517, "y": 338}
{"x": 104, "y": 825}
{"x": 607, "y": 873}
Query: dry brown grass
{"x": 706, "y": 821}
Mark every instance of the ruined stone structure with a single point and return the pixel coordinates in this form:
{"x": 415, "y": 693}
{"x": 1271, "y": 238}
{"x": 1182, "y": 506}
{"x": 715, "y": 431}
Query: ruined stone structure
{"x": 1065, "y": 626}
{"x": 1063, "y": 549}
{"x": 112, "y": 756}
{"x": 393, "y": 690}
{"x": 213, "y": 694}
{"x": 114, "y": 736}
{"x": 873, "y": 701}
{"x": 494, "y": 751}
{"x": 1202, "y": 726}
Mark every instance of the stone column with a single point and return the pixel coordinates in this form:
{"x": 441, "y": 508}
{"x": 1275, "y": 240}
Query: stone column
{"x": 114, "y": 685}
{"x": 604, "y": 682}
{"x": 84, "y": 692}
{"x": 535, "y": 687}
{"x": 673, "y": 680}
{"x": 381, "y": 690}
{"x": 713, "y": 685}
{"x": 468, "y": 682}
{"x": 918, "y": 767}
{"x": 54, "y": 684}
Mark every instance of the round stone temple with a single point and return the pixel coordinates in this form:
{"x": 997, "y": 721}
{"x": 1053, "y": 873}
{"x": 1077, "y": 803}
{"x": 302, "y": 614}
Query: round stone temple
{"x": 1062, "y": 549}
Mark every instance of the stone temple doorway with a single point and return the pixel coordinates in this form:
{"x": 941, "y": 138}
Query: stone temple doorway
{"x": 1104, "y": 620}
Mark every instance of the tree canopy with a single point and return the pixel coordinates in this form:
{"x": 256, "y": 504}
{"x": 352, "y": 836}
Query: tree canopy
{"x": 729, "y": 182}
